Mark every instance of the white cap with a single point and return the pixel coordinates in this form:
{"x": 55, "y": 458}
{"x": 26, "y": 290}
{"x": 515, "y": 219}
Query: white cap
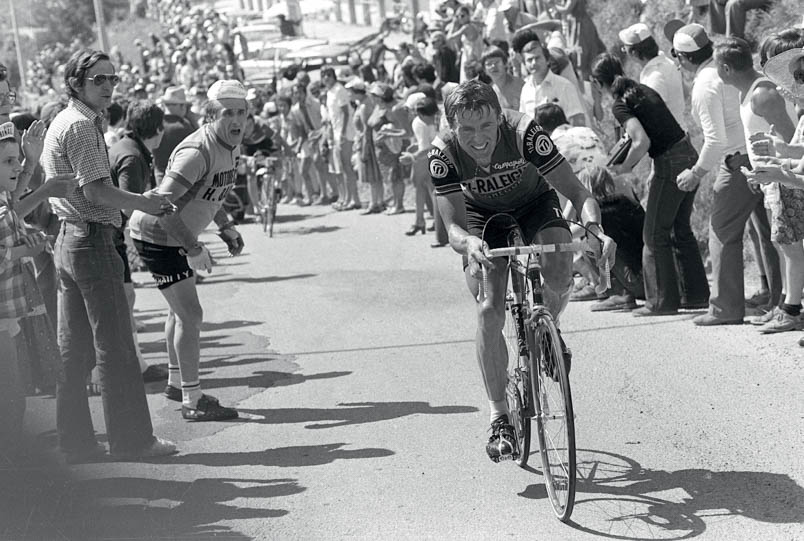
{"x": 635, "y": 34}
{"x": 505, "y": 5}
{"x": 413, "y": 99}
{"x": 226, "y": 89}
{"x": 7, "y": 131}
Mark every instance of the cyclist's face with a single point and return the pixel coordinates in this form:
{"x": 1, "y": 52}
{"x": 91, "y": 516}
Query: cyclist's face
{"x": 230, "y": 124}
{"x": 477, "y": 133}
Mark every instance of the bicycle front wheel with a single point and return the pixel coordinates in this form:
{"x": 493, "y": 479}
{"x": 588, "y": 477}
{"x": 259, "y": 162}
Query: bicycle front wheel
{"x": 555, "y": 421}
{"x": 518, "y": 393}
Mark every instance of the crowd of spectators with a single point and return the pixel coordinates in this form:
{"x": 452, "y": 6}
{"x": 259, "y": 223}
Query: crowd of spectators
{"x": 354, "y": 137}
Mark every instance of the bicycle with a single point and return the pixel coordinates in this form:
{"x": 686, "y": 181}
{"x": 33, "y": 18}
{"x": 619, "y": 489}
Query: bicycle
{"x": 538, "y": 381}
{"x": 270, "y": 190}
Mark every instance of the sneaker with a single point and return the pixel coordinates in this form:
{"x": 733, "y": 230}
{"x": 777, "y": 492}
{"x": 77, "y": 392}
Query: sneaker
{"x": 172, "y": 393}
{"x": 765, "y": 318}
{"x": 208, "y": 409}
{"x": 586, "y": 293}
{"x": 155, "y": 372}
{"x": 502, "y": 443}
{"x": 159, "y": 447}
{"x": 782, "y": 322}
{"x": 758, "y": 299}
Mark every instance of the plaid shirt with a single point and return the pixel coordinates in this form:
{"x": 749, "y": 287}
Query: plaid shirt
{"x": 74, "y": 144}
{"x": 12, "y": 292}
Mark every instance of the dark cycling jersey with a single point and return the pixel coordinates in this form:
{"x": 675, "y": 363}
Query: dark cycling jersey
{"x": 515, "y": 177}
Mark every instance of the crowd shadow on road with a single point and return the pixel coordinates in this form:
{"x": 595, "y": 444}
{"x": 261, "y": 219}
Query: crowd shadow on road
{"x": 263, "y": 379}
{"x": 144, "y": 508}
{"x": 618, "y": 498}
{"x": 350, "y": 413}
{"x": 282, "y": 457}
{"x": 257, "y": 279}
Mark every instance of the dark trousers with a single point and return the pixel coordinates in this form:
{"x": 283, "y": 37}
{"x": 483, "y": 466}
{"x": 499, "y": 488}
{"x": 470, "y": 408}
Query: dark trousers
{"x": 732, "y": 205}
{"x": 759, "y": 231}
{"x": 94, "y": 327}
{"x": 728, "y": 17}
{"x": 672, "y": 267}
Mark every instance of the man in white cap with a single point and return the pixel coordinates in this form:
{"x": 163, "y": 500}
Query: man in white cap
{"x": 658, "y": 72}
{"x": 200, "y": 174}
{"x": 716, "y": 107}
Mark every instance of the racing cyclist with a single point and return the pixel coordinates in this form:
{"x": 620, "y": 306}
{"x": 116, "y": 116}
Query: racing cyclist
{"x": 492, "y": 160}
{"x": 200, "y": 173}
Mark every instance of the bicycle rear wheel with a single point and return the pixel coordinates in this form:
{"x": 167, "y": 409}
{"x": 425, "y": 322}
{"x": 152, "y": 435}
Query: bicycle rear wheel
{"x": 555, "y": 421}
{"x": 518, "y": 392}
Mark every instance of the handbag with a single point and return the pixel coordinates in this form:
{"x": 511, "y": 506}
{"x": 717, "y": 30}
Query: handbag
{"x": 620, "y": 150}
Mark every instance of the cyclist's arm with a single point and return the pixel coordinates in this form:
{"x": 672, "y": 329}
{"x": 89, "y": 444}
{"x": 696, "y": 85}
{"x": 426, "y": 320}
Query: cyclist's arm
{"x": 186, "y": 168}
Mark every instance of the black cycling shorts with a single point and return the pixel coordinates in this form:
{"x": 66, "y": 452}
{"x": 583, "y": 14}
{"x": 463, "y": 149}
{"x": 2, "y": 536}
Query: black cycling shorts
{"x": 167, "y": 265}
{"x": 541, "y": 213}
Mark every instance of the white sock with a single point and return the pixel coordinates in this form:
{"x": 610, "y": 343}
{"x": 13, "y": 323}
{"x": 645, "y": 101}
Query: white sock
{"x": 497, "y": 409}
{"x": 190, "y": 394}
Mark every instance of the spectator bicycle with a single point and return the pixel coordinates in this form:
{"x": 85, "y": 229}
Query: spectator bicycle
{"x": 538, "y": 376}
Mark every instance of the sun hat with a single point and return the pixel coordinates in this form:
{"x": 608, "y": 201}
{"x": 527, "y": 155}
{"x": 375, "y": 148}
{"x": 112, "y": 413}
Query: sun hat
{"x": 414, "y": 99}
{"x": 226, "y": 89}
{"x": 690, "y": 38}
{"x": 786, "y": 71}
{"x": 635, "y": 34}
{"x": 7, "y": 131}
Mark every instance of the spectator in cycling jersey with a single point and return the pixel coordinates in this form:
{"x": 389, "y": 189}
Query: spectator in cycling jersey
{"x": 200, "y": 174}
{"x": 493, "y": 160}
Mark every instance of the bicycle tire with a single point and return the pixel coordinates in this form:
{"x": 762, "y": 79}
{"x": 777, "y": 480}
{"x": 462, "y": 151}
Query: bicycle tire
{"x": 555, "y": 420}
{"x": 518, "y": 392}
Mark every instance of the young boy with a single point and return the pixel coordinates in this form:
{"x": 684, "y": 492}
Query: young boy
{"x": 16, "y": 246}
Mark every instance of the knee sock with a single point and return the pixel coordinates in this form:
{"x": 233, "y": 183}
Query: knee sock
{"x": 497, "y": 408}
{"x": 792, "y": 309}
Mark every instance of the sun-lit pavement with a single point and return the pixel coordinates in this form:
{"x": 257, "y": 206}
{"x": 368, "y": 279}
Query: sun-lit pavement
{"x": 348, "y": 349}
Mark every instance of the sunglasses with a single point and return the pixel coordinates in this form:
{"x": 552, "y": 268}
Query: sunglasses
{"x": 11, "y": 97}
{"x": 101, "y": 78}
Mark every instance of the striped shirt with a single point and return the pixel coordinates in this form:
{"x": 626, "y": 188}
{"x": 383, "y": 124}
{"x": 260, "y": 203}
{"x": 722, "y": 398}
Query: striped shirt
{"x": 74, "y": 144}
{"x": 523, "y": 155}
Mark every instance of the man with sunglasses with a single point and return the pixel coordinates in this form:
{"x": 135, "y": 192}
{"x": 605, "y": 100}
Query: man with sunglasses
{"x": 716, "y": 107}
{"x": 94, "y": 324}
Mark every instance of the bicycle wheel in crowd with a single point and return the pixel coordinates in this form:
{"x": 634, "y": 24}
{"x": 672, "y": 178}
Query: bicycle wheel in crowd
{"x": 555, "y": 421}
{"x": 518, "y": 392}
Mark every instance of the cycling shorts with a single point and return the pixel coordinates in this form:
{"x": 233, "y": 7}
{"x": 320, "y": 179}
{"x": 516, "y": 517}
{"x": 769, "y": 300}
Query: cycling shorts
{"x": 541, "y": 213}
{"x": 166, "y": 263}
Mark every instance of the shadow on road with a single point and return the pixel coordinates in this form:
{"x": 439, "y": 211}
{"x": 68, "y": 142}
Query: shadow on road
{"x": 258, "y": 279}
{"x": 267, "y": 378}
{"x": 352, "y": 413}
{"x": 282, "y": 457}
{"x": 311, "y": 230}
{"x": 618, "y": 498}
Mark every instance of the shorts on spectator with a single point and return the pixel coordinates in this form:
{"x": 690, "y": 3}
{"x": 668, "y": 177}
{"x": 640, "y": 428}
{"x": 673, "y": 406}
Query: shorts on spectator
{"x": 340, "y": 159}
{"x": 787, "y": 216}
{"x": 166, "y": 263}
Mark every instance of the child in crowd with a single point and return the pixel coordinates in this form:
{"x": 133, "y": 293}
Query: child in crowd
{"x": 19, "y": 295}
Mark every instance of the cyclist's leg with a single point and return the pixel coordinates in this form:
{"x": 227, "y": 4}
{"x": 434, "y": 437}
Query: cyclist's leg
{"x": 492, "y": 353}
{"x": 557, "y": 271}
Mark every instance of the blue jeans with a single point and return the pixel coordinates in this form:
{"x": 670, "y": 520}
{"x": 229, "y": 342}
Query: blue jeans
{"x": 672, "y": 267}
{"x": 94, "y": 326}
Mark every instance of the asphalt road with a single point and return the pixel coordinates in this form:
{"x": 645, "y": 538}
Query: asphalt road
{"x": 348, "y": 348}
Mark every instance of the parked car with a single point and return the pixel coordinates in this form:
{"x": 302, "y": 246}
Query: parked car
{"x": 271, "y": 60}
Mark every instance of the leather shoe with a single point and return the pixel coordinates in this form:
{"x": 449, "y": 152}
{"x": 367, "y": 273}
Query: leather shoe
{"x": 708, "y": 320}
{"x": 645, "y": 312}
{"x": 615, "y": 302}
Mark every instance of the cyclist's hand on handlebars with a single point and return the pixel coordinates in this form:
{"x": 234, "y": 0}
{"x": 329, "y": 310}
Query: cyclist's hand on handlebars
{"x": 476, "y": 251}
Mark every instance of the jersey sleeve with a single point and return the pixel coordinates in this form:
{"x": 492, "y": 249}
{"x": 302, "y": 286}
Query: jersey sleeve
{"x": 187, "y": 166}
{"x": 538, "y": 148}
{"x": 442, "y": 170}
